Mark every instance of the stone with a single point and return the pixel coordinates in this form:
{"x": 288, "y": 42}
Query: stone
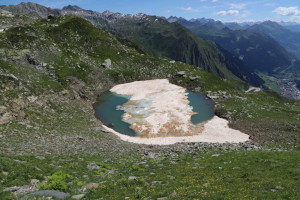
{"x": 106, "y": 64}
{"x": 216, "y": 155}
{"x": 172, "y": 61}
{"x": 111, "y": 125}
{"x": 5, "y": 173}
{"x": 180, "y": 74}
{"x": 163, "y": 198}
{"x": 90, "y": 186}
{"x": 34, "y": 182}
{"x": 93, "y": 166}
{"x": 279, "y": 188}
{"x": 79, "y": 196}
{"x": 32, "y": 99}
{"x": 192, "y": 78}
{"x": 3, "y": 109}
{"x": 5, "y": 116}
{"x": 132, "y": 178}
{"x": 12, "y": 189}
{"x": 53, "y": 193}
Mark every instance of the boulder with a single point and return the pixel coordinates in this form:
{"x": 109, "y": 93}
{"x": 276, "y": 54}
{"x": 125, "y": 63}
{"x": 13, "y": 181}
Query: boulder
{"x": 192, "y": 78}
{"x": 106, "y": 64}
{"x": 180, "y": 74}
{"x": 132, "y": 178}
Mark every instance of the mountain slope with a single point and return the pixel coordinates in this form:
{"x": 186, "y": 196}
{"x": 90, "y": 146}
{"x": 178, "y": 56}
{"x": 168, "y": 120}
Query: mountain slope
{"x": 159, "y": 38}
{"x": 288, "y": 39}
{"x": 257, "y": 50}
{"x": 31, "y": 9}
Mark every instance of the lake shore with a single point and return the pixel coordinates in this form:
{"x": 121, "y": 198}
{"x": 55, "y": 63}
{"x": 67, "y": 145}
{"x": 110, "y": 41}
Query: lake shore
{"x": 215, "y": 130}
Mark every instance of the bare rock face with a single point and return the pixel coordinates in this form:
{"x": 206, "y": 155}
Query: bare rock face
{"x": 5, "y": 13}
{"x": 5, "y": 116}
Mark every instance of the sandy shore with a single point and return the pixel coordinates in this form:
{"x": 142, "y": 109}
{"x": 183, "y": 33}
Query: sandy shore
{"x": 165, "y": 116}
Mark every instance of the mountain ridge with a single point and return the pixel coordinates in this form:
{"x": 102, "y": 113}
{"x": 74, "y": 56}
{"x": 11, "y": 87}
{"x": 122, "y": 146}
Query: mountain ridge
{"x": 159, "y": 38}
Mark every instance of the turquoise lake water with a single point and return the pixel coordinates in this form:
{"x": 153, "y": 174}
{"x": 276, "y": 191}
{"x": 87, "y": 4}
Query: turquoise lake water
{"x": 106, "y": 110}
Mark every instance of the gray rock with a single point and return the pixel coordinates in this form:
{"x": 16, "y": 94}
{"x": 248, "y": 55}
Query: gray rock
{"x": 106, "y": 64}
{"x": 93, "y": 166}
{"x": 34, "y": 182}
{"x": 12, "y": 189}
{"x": 132, "y": 178}
{"x": 163, "y": 198}
{"x": 216, "y": 155}
{"x": 5, "y": 173}
{"x": 79, "y": 196}
{"x": 32, "y": 99}
{"x": 180, "y": 74}
{"x": 53, "y": 193}
{"x": 90, "y": 186}
{"x": 279, "y": 188}
{"x": 192, "y": 78}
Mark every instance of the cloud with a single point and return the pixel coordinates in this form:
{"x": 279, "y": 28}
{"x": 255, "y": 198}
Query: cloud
{"x": 214, "y": 1}
{"x": 190, "y": 9}
{"x": 228, "y": 13}
{"x": 238, "y": 6}
{"x": 287, "y": 11}
{"x": 203, "y": 0}
{"x": 295, "y": 19}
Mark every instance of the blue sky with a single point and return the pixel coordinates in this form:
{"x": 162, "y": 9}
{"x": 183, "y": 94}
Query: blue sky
{"x": 224, "y": 10}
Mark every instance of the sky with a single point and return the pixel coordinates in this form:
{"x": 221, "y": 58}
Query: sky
{"x": 223, "y": 10}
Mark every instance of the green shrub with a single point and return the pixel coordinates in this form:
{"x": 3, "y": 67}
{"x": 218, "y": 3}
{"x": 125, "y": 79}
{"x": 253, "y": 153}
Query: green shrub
{"x": 56, "y": 182}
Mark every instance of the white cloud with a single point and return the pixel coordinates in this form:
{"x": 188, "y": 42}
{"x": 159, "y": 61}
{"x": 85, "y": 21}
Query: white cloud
{"x": 214, "y": 1}
{"x": 228, "y": 13}
{"x": 295, "y": 19}
{"x": 238, "y": 6}
{"x": 203, "y": 0}
{"x": 287, "y": 11}
{"x": 189, "y": 9}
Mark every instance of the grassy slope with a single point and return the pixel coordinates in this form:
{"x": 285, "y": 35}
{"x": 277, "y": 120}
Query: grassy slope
{"x": 60, "y": 125}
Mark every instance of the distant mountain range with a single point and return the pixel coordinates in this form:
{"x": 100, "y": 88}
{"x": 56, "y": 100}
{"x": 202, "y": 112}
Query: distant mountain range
{"x": 227, "y": 50}
{"x": 255, "y": 48}
{"x": 157, "y": 37}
